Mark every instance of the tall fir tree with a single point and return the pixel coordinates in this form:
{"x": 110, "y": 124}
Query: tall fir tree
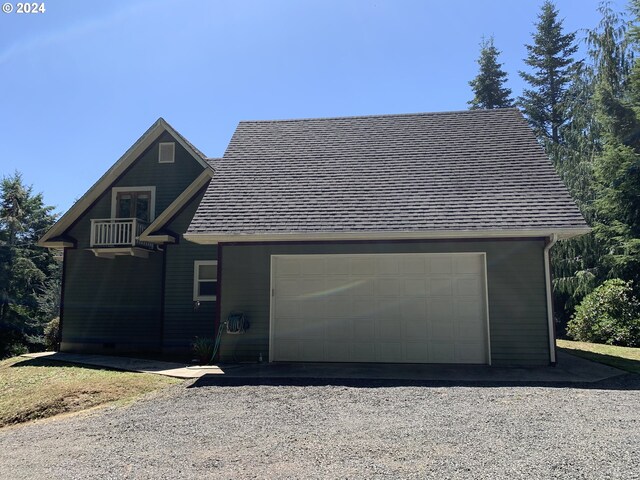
{"x": 489, "y": 85}
{"x": 579, "y": 265}
{"x": 24, "y": 267}
{"x": 617, "y": 168}
{"x": 552, "y": 66}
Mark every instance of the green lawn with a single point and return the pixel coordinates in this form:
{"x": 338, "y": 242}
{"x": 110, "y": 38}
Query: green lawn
{"x": 623, "y": 358}
{"x": 33, "y": 388}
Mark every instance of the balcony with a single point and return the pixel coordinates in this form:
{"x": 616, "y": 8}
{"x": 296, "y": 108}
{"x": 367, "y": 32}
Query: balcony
{"x": 111, "y": 237}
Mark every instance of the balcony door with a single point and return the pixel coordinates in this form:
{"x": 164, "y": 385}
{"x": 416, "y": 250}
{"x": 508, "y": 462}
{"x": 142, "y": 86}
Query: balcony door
{"x": 133, "y": 203}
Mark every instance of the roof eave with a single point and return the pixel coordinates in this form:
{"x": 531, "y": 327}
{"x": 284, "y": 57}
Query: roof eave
{"x": 149, "y": 235}
{"x": 218, "y": 237}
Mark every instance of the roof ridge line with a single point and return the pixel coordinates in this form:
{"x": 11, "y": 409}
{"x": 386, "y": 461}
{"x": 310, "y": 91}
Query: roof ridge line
{"x": 383, "y": 115}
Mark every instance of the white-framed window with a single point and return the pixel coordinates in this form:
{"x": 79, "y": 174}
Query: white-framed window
{"x": 134, "y": 202}
{"x": 166, "y": 152}
{"x": 205, "y": 280}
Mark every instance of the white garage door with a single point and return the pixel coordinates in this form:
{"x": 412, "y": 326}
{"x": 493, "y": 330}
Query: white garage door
{"x": 412, "y": 308}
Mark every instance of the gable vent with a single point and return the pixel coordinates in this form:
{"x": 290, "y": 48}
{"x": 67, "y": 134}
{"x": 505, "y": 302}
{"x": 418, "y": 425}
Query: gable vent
{"x": 167, "y": 152}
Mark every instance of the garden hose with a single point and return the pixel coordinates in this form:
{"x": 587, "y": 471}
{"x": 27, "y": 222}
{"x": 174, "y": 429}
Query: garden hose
{"x": 217, "y": 344}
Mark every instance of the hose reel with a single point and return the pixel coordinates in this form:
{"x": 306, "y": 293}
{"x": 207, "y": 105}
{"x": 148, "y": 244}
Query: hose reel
{"x": 236, "y": 323}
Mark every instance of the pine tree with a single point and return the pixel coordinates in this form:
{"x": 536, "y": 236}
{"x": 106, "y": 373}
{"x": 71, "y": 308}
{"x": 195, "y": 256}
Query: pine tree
{"x": 552, "y": 66}
{"x": 488, "y": 86}
{"x": 617, "y": 169}
{"x": 24, "y": 267}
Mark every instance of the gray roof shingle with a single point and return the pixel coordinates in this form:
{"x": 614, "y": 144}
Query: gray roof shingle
{"x": 452, "y": 171}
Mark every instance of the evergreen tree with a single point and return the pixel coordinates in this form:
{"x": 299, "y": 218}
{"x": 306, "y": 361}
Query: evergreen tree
{"x": 488, "y": 86}
{"x": 617, "y": 169}
{"x": 552, "y": 66}
{"x": 24, "y": 267}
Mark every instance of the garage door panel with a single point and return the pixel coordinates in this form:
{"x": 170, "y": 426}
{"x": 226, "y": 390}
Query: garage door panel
{"x": 313, "y": 307}
{"x": 288, "y": 286}
{"x": 337, "y": 266}
{"x": 362, "y": 265}
{"x": 309, "y": 329}
{"x": 441, "y": 353}
{"x": 440, "y": 309}
{"x": 364, "y": 329}
{"x": 362, "y": 307}
{"x": 311, "y": 350}
{"x": 468, "y": 286}
{"x": 362, "y": 351}
{"x": 442, "y": 331}
{"x": 412, "y": 265}
{"x": 311, "y": 286}
{"x": 388, "y": 286}
{"x": 288, "y": 350}
{"x": 469, "y": 353}
{"x": 287, "y": 307}
{"x": 416, "y": 352}
{"x": 339, "y": 329}
{"x": 388, "y": 352}
{"x": 467, "y": 309}
{"x": 414, "y": 308}
{"x": 387, "y": 265}
{"x": 415, "y": 286}
{"x": 388, "y": 330}
{"x": 337, "y": 351}
{"x": 379, "y": 308}
{"x": 441, "y": 286}
{"x": 415, "y": 328}
{"x": 288, "y": 266}
{"x": 440, "y": 264}
{"x": 363, "y": 286}
{"x": 469, "y": 332}
{"x": 338, "y": 306}
{"x": 312, "y": 266}
{"x": 472, "y": 264}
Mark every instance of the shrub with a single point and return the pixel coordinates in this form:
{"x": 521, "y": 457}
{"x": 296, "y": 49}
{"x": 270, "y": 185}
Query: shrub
{"x": 610, "y": 314}
{"x": 52, "y": 334}
{"x": 203, "y": 349}
{"x": 16, "y": 349}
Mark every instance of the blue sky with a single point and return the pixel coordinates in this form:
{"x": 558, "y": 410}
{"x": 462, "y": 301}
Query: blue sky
{"x": 82, "y": 81}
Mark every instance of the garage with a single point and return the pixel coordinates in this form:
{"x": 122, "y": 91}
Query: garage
{"x": 395, "y": 308}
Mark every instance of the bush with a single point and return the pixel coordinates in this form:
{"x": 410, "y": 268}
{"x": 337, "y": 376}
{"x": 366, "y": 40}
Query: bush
{"x": 52, "y": 334}
{"x": 203, "y": 349}
{"x": 16, "y": 349}
{"x": 610, "y": 314}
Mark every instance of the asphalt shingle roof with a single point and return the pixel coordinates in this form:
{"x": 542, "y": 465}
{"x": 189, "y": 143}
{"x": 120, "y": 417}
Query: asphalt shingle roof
{"x": 467, "y": 170}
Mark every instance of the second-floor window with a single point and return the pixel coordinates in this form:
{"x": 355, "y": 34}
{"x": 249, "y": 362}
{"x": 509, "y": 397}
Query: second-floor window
{"x": 133, "y": 203}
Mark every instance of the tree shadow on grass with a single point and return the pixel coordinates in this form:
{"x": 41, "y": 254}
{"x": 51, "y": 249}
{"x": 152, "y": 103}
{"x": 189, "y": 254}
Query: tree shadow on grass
{"x": 42, "y": 362}
{"x": 627, "y": 364}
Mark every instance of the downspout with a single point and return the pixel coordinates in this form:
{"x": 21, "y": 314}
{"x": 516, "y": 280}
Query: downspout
{"x": 553, "y": 238}
{"x": 63, "y": 282}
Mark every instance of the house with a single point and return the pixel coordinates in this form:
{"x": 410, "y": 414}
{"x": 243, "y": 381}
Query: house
{"x": 416, "y": 238}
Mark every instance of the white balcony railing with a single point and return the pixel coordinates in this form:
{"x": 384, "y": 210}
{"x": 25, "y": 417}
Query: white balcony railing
{"x": 118, "y": 232}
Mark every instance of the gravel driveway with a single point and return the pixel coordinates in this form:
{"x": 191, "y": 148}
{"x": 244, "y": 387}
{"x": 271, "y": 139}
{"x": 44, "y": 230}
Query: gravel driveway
{"x": 338, "y": 431}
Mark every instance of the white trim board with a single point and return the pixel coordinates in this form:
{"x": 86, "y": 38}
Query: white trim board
{"x": 174, "y": 208}
{"x": 213, "y": 238}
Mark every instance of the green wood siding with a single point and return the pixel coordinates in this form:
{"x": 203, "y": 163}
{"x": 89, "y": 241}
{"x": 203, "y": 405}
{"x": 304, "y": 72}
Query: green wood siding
{"x": 111, "y": 305}
{"x": 516, "y": 287}
{"x": 182, "y": 321}
{"x": 116, "y": 305}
